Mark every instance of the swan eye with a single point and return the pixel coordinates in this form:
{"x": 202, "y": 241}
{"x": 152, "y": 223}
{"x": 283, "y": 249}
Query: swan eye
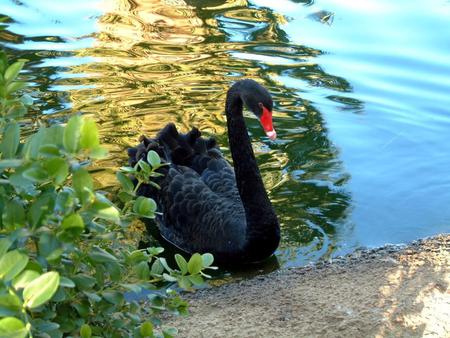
{"x": 260, "y": 105}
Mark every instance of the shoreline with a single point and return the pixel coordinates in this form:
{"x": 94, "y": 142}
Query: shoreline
{"x": 391, "y": 291}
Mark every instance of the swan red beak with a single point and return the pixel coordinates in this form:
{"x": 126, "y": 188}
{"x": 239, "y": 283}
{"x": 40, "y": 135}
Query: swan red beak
{"x": 266, "y": 122}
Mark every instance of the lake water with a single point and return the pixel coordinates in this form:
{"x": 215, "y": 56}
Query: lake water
{"x": 361, "y": 91}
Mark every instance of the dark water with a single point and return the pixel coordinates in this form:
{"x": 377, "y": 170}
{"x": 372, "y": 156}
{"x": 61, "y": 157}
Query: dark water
{"x": 361, "y": 91}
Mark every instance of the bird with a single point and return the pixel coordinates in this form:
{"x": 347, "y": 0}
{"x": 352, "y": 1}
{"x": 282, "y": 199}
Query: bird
{"x": 206, "y": 205}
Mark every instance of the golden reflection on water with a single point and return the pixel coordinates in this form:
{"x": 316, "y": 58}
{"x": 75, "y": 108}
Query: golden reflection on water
{"x": 131, "y": 22}
{"x": 159, "y": 62}
{"x": 154, "y": 62}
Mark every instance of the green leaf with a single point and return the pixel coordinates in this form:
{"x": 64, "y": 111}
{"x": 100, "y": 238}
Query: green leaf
{"x": 55, "y": 255}
{"x": 114, "y": 297}
{"x": 100, "y": 275}
{"x": 93, "y": 297}
{"x": 22, "y": 280}
{"x": 82, "y": 309}
{"x": 207, "y": 259}
{"x": 114, "y": 270}
{"x": 84, "y": 282}
{"x": 98, "y": 153}
{"x": 89, "y": 135}
{"x": 105, "y": 211}
{"x": 184, "y": 283}
{"x": 48, "y": 327}
{"x": 182, "y": 264}
{"x": 66, "y": 282}
{"x": 137, "y": 256}
{"x": 33, "y": 143}
{"x": 36, "y": 174}
{"x": 16, "y": 111}
{"x": 146, "y": 329}
{"x": 125, "y": 181}
{"x": 125, "y": 197}
{"x": 65, "y": 201}
{"x": 3, "y": 57}
{"x": 72, "y": 227}
{"x": 145, "y": 207}
{"x": 11, "y": 327}
{"x": 142, "y": 270}
{"x": 49, "y": 150}
{"x": 72, "y": 134}
{"x": 11, "y": 139}
{"x": 132, "y": 287}
{"x": 128, "y": 170}
{"x": 13, "y": 70}
{"x": 5, "y": 244}
{"x": 53, "y": 135}
{"x": 164, "y": 264}
{"x": 10, "y": 305}
{"x": 145, "y": 167}
{"x": 82, "y": 181}
{"x": 195, "y": 264}
{"x": 169, "y": 278}
{"x": 170, "y": 332}
{"x": 41, "y": 290}
{"x": 15, "y": 86}
{"x": 157, "y": 268}
{"x": 49, "y": 246}
{"x": 196, "y": 279}
{"x": 11, "y": 264}
{"x": 5, "y": 164}
{"x": 101, "y": 256}
{"x": 58, "y": 169}
{"x": 85, "y": 331}
{"x": 34, "y": 265}
{"x": 26, "y": 99}
{"x": 59, "y": 296}
{"x": 73, "y": 221}
{"x": 155, "y": 251}
{"x": 40, "y": 208}
{"x": 22, "y": 184}
{"x": 157, "y": 301}
{"x": 154, "y": 159}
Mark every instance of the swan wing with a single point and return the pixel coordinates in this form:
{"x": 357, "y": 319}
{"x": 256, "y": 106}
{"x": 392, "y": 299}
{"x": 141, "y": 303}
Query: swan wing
{"x": 196, "y": 218}
{"x": 219, "y": 177}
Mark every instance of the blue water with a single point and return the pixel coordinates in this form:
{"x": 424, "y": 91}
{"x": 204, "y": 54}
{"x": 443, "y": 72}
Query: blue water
{"x": 394, "y": 139}
{"x": 361, "y": 91}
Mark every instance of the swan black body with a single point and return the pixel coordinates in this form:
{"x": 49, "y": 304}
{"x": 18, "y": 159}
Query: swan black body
{"x": 206, "y": 205}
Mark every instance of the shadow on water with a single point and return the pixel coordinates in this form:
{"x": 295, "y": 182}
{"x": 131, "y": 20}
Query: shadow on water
{"x": 146, "y": 63}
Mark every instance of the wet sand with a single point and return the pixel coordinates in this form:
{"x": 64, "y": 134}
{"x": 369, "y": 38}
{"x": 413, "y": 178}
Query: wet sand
{"x": 387, "y": 292}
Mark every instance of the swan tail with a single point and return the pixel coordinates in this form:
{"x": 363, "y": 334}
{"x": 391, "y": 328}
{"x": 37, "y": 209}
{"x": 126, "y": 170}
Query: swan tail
{"x": 180, "y": 151}
{"x": 139, "y": 152}
{"x": 189, "y": 150}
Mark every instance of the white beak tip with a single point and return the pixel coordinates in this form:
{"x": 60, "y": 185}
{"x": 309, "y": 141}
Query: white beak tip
{"x": 271, "y": 134}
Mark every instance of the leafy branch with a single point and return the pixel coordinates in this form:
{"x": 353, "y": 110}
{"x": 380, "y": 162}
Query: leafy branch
{"x": 64, "y": 267}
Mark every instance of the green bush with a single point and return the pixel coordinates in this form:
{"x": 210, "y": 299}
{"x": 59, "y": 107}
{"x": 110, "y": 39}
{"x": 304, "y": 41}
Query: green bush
{"x": 65, "y": 266}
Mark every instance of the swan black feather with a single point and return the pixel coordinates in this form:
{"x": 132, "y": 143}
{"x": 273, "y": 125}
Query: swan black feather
{"x": 206, "y": 205}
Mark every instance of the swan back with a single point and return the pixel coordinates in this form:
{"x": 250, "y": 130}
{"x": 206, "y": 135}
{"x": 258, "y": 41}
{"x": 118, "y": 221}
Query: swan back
{"x": 199, "y": 200}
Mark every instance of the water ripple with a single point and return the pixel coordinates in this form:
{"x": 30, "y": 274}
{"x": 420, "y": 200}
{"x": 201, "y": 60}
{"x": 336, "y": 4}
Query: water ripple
{"x": 360, "y": 91}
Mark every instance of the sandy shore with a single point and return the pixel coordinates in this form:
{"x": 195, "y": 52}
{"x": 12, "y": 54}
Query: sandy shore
{"x": 386, "y": 292}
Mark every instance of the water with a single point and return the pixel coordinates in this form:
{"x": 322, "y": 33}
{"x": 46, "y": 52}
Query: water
{"x": 361, "y": 91}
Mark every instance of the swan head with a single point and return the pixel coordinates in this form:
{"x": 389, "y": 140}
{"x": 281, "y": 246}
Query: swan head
{"x": 258, "y": 100}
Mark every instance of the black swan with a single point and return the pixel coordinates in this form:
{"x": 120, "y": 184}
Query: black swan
{"x": 206, "y": 205}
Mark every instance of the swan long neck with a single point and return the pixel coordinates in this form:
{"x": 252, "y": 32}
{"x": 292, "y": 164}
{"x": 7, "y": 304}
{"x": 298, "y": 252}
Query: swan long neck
{"x": 262, "y": 222}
